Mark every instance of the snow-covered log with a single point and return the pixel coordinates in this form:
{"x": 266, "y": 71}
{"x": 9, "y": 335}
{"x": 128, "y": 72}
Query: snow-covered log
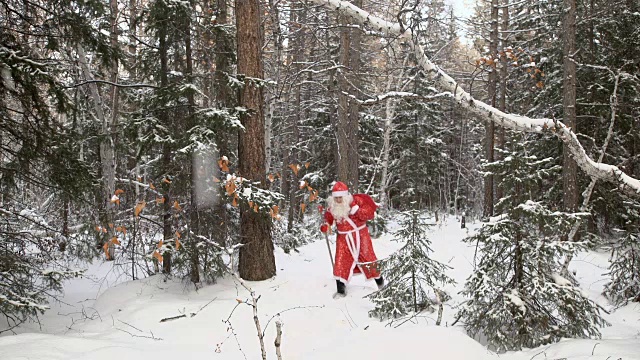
{"x": 485, "y": 111}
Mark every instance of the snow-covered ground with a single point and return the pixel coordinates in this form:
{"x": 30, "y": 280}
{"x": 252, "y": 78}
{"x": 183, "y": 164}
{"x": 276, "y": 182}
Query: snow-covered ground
{"x": 100, "y": 320}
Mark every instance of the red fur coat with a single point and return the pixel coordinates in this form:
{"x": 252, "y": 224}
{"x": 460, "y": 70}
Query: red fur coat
{"x": 354, "y": 241}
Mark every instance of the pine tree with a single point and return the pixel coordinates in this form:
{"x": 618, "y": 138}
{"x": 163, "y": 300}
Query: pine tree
{"x": 516, "y": 296}
{"x": 413, "y": 278}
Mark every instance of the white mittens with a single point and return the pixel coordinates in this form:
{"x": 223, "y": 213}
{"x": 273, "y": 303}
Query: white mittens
{"x": 354, "y": 209}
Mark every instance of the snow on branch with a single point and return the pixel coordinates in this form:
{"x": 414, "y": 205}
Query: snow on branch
{"x": 396, "y": 94}
{"x": 485, "y": 111}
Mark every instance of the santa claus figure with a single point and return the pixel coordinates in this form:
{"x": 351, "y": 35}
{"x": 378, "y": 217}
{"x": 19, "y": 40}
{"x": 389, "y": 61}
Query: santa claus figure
{"x": 354, "y": 251}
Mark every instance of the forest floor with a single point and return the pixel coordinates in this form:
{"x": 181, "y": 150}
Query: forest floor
{"x": 103, "y": 316}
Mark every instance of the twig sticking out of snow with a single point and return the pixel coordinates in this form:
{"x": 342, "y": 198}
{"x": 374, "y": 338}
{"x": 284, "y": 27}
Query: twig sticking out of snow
{"x": 278, "y": 339}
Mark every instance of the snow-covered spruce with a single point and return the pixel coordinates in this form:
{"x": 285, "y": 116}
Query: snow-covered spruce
{"x": 624, "y": 268}
{"x": 413, "y": 278}
{"x": 516, "y": 296}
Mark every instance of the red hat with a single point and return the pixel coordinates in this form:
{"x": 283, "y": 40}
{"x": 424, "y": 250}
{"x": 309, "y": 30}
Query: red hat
{"x": 339, "y": 189}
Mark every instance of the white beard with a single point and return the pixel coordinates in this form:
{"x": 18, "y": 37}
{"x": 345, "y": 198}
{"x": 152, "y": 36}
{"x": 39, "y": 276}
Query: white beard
{"x": 340, "y": 211}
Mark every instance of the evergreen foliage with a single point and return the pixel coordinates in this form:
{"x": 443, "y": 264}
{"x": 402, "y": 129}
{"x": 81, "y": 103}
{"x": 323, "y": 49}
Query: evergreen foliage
{"x": 624, "y": 267}
{"x": 517, "y": 297}
{"x": 413, "y": 278}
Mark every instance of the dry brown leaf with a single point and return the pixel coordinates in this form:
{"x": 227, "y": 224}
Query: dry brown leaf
{"x": 223, "y": 164}
{"x": 119, "y": 191}
{"x": 294, "y": 168}
{"x": 176, "y": 205}
{"x": 230, "y": 186}
{"x": 106, "y": 250}
{"x": 157, "y": 256}
{"x": 138, "y": 209}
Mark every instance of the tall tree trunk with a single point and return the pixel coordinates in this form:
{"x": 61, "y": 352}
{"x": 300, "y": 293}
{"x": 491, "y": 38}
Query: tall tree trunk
{"x": 133, "y": 70}
{"x": 107, "y": 148}
{"x": 389, "y": 128}
{"x": 347, "y": 136}
{"x": 570, "y": 168}
{"x": 167, "y": 218}
{"x": 257, "y": 261}
{"x": 272, "y": 99}
{"x": 194, "y": 256}
{"x": 103, "y": 195}
{"x": 489, "y": 127}
{"x": 502, "y": 102}
{"x": 224, "y": 99}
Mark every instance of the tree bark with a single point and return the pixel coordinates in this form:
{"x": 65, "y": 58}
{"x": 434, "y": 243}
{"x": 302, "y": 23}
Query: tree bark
{"x": 347, "y": 130}
{"x": 104, "y": 194}
{"x": 570, "y": 168}
{"x": 502, "y": 101}
{"x": 167, "y": 218}
{"x": 224, "y": 99}
{"x": 489, "y": 126}
{"x": 272, "y": 99}
{"x": 194, "y": 256}
{"x": 257, "y": 261}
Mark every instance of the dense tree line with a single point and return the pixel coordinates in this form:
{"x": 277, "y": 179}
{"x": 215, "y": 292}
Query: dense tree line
{"x": 157, "y": 133}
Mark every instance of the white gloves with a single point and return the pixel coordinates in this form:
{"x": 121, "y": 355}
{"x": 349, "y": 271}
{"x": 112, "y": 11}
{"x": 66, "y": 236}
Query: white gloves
{"x": 354, "y": 209}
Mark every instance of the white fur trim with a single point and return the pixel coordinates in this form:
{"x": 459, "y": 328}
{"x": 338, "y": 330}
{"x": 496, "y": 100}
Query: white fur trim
{"x": 354, "y": 209}
{"x": 340, "y": 193}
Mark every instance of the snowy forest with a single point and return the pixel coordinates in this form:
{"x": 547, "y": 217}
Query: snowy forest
{"x": 195, "y": 142}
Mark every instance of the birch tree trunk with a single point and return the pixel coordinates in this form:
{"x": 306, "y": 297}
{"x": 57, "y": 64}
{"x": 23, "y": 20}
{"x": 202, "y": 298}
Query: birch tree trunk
{"x": 570, "y": 168}
{"x": 257, "y": 260}
{"x": 389, "y": 127}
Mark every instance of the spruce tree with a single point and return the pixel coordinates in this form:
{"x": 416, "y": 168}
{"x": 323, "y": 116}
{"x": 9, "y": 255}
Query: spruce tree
{"x": 516, "y": 296}
{"x": 413, "y": 278}
{"x": 624, "y": 267}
